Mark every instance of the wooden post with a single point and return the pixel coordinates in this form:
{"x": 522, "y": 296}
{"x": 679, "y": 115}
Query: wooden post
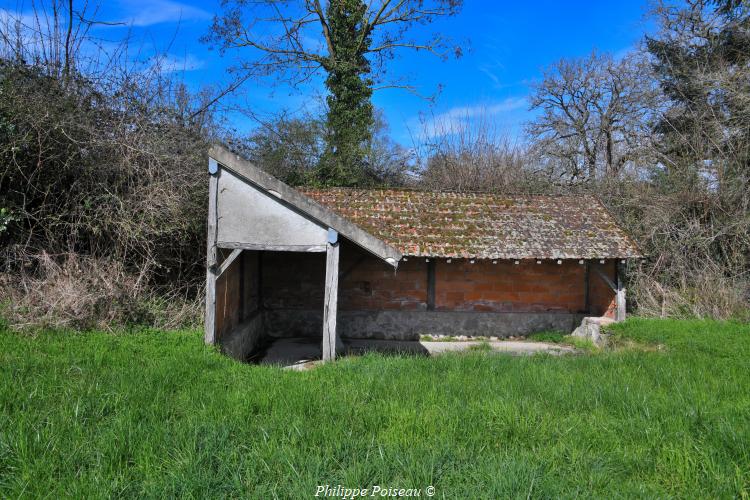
{"x": 587, "y": 288}
{"x": 259, "y": 280}
{"x": 241, "y": 309}
{"x": 330, "y": 339}
{"x": 210, "y": 317}
{"x": 620, "y": 297}
{"x": 431, "y": 285}
{"x": 616, "y": 287}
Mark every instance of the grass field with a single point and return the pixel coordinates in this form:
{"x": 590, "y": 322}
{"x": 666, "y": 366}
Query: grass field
{"x": 157, "y": 414}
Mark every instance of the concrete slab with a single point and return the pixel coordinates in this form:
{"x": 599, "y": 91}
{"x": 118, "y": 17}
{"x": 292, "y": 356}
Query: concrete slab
{"x": 303, "y": 352}
{"x": 515, "y": 347}
{"x": 292, "y": 351}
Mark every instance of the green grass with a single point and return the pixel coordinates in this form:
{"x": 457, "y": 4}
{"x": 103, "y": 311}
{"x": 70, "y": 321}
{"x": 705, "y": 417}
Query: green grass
{"x": 482, "y": 346}
{"x": 556, "y": 337}
{"x": 551, "y": 336}
{"x": 157, "y": 414}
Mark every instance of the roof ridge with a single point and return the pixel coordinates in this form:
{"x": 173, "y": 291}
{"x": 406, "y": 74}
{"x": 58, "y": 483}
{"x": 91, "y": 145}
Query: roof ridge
{"x": 441, "y": 191}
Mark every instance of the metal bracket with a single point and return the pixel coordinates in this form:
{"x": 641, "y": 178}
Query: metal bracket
{"x": 213, "y": 166}
{"x": 333, "y": 236}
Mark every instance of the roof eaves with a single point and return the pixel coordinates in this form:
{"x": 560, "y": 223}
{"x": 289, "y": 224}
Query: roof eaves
{"x": 636, "y": 247}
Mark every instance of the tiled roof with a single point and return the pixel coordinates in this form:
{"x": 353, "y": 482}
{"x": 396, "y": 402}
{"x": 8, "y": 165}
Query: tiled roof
{"x": 482, "y": 226}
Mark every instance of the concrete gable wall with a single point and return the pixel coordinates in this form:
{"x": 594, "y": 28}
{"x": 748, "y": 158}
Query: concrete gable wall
{"x": 249, "y": 215}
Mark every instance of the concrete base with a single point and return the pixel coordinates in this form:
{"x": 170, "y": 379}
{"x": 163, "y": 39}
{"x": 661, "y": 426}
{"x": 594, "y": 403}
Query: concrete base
{"x": 591, "y": 329}
{"x": 245, "y": 339}
{"x": 410, "y": 325}
{"x": 300, "y": 352}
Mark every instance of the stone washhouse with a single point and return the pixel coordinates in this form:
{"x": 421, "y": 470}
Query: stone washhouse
{"x": 396, "y": 264}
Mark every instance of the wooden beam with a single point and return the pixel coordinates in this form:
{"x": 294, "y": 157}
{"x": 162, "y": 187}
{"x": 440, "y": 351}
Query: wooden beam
{"x": 228, "y": 261}
{"x": 431, "y": 285}
{"x": 620, "y": 297}
{"x": 270, "y": 248}
{"x": 209, "y": 327}
{"x": 330, "y": 304}
{"x": 606, "y": 279}
{"x": 586, "y": 288}
{"x": 259, "y": 282}
{"x": 243, "y": 292}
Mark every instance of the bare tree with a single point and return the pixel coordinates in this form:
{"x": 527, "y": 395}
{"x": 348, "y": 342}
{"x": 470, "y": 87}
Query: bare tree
{"x": 594, "y": 115}
{"x": 291, "y": 40}
{"x": 349, "y": 42}
{"x": 470, "y": 153}
{"x": 102, "y": 187}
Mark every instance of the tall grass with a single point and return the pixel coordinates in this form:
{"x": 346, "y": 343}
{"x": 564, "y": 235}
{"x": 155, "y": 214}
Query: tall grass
{"x": 158, "y": 414}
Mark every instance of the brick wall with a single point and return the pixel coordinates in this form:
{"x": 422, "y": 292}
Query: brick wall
{"x": 509, "y": 287}
{"x": 292, "y": 280}
{"x": 295, "y": 281}
{"x": 237, "y": 292}
{"x": 371, "y": 284}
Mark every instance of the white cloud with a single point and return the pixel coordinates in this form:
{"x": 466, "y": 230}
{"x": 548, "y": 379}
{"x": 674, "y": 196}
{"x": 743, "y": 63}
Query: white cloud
{"x": 33, "y": 30}
{"x": 457, "y": 118}
{"x": 168, "y": 63}
{"x": 162, "y": 11}
{"x": 624, "y": 52}
{"x": 9, "y": 18}
{"x": 509, "y": 104}
{"x": 490, "y": 74}
{"x": 24, "y": 29}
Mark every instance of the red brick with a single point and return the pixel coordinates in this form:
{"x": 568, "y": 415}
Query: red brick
{"x": 484, "y": 308}
{"x": 296, "y": 280}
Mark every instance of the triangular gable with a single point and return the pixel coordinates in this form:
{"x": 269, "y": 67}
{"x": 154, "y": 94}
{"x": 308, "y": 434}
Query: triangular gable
{"x": 258, "y": 208}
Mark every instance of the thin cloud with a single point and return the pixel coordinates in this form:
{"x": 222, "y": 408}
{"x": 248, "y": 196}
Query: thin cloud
{"x": 9, "y": 18}
{"x": 169, "y": 63}
{"x": 491, "y": 68}
{"x": 458, "y": 117}
{"x": 490, "y": 74}
{"x": 28, "y": 29}
{"x": 624, "y": 52}
{"x": 162, "y": 11}
{"x": 509, "y": 104}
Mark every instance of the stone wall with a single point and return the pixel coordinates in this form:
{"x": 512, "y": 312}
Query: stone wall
{"x": 241, "y": 342}
{"x": 410, "y": 325}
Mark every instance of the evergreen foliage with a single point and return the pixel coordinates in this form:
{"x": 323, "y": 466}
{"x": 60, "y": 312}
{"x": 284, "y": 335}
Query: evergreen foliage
{"x": 350, "y": 111}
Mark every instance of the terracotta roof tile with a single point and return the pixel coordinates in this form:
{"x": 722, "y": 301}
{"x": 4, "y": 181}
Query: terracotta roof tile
{"x": 482, "y": 226}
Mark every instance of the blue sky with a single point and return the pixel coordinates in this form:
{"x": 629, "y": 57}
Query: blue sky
{"x": 510, "y": 43}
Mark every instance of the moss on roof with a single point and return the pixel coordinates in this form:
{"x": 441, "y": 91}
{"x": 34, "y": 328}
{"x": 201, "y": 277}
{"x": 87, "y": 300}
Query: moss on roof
{"x": 483, "y": 226}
